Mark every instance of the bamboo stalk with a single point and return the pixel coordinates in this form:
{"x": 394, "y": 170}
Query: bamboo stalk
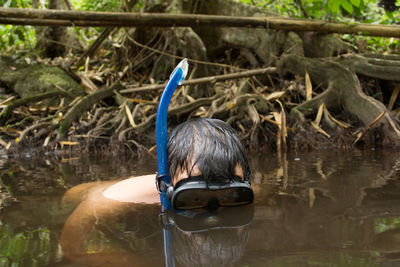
{"x": 120, "y": 19}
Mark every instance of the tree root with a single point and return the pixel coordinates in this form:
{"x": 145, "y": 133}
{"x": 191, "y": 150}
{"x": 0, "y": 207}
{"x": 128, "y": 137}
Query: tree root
{"x": 343, "y": 91}
{"x": 376, "y": 67}
{"x": 32, "y": 128}
{"x": 5, "y": 114}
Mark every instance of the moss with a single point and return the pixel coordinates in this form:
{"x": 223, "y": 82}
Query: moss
{"x": 40, "y": 78}
{"x": 32, "y": 79}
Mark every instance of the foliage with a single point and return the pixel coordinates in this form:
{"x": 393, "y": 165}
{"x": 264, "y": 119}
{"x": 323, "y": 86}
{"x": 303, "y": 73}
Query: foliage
{"x": 97, "y": 5}
{"x": 13, "y": 38}
{"x": 22, "y": 38}
{"x": 16, "y": 3}
{"x": 16, "y": 38}
{"x": 337, "y": 10}
{"x": 364, "y": 11}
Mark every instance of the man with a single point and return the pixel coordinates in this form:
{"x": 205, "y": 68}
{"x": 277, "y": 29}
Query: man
{"x": 207, "y": 159}
{"x": 209, "y": 168}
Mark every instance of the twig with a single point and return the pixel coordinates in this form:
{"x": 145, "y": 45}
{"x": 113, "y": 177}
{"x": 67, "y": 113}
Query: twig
{"x": 178, "y": 57}
{"x": 178, "y": 110}
{"x": 205, "y": 79}
{"x": 95, "y": 46}
{"x": 380, "y": 116}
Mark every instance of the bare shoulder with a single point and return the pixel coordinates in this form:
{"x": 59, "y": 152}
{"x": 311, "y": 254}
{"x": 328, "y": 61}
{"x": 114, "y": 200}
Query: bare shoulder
{"x": 141, "y": 189}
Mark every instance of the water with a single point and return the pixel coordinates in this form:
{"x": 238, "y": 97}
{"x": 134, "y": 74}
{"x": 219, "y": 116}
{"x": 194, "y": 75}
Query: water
{"x": 312, "y": 209}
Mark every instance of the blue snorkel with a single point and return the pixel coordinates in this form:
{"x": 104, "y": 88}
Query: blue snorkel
{"x": 176, "y": 78}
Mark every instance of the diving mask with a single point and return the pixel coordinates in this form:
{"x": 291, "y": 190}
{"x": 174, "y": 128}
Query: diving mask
{"x": 195, "y": 193}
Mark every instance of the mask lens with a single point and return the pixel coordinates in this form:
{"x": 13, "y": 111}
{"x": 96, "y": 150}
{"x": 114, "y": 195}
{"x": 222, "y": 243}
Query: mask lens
{"x": 235, "y": 196}
{"x": 201, "y": 198}
{"x": 191, "y": 199}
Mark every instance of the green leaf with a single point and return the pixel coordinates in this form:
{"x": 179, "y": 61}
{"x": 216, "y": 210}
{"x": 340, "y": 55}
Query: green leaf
{"x": 355, "y": 3}
{"x": 347, "y": 6}
{"x": 20, "y": 34}
{"x": 389, "y": 15}
{"x": 335, "y": 6}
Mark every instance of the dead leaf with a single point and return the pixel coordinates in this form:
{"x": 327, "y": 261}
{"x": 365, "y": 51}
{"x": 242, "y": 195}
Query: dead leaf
{"x": 269, "y": 120}
{"x": 283, "y": 121}
{"x": 341, "y": 124}
{"x": 46, "y": 141}
{"x": 275, "y": 95}
{"x": 318, "y": 118}
{"x": 129, "y": 115}
{"x": 277, "y": 117}
{"x": 87, "y": 84}
{"x": 9, "y": 129}
{"x": 360, "y": 135}
{"x": 394, "y": 96}
{"x": 308, "y": 87}
{"x": 8, "y": 100}
{"x": 319, "y": 129}
{"x": 135, "y": 100}
{"x": 231, "y": 104}
{"x": 377, "y": 119}
{"x": 68, "y": 143}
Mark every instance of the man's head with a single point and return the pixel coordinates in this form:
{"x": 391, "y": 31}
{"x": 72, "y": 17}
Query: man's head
{"x": 207, "y": 147}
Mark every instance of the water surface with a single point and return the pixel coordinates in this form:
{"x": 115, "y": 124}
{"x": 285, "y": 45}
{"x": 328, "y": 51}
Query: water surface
{"x": 311, "y": 209}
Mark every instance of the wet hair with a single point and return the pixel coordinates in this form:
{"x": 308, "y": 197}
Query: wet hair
{"x": 211, "y": 145}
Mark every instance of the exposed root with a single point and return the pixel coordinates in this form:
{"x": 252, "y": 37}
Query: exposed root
{"x": 343, "y": 91}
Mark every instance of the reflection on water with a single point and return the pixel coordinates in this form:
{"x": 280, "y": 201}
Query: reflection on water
{"x": 336, "y": 209}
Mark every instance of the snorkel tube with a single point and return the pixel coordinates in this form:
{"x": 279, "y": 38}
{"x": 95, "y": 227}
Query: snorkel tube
{"x": 175, "y": 79}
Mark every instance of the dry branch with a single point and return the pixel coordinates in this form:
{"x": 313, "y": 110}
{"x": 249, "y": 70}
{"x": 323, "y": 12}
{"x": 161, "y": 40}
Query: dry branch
{"x": 205, "y": 79}
{"x": 94, "y": 47}
{"x": 119, "y": 19}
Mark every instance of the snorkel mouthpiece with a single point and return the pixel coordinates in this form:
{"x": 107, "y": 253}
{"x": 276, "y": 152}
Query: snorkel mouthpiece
{"x": 176, "y": 78}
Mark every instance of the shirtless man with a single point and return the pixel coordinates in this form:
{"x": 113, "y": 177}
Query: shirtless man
{"x": 206, "y": 151}
{"x": 208, "y": 169}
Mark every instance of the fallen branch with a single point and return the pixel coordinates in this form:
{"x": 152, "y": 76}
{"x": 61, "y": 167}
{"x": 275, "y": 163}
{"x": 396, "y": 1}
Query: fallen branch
{"x": 211, "y": 79}
{"x": 120, "y": 19}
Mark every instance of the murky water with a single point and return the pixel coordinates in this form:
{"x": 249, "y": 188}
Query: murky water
{"x": 313, "y": 209}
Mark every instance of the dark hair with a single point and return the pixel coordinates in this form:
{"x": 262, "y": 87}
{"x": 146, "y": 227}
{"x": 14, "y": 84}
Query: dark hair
{"x": 211, "y": 145}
